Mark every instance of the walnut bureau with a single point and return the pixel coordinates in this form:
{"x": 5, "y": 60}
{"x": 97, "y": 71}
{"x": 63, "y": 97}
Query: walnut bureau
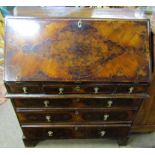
{"x": 77, "y": 77}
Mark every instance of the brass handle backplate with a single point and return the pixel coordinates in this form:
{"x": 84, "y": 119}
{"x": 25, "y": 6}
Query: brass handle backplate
{"x": 77, "y": 88}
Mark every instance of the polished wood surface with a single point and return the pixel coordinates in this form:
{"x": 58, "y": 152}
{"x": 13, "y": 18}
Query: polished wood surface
{"x": 110, "y": 103}
{"x": 145, "y": 119}
{"x": 75, "y": 88}
{"x": 69, "y": 132}
{"x": 79, "y": 76}
{"x": 107, "y": 50}
{"x": 78, "y": 116}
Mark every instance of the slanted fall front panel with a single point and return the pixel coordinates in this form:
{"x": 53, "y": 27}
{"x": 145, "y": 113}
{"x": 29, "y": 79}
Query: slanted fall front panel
{"x": 108, "y": 50}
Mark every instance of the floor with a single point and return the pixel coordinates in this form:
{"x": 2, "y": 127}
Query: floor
{"x": 11, "y": 136}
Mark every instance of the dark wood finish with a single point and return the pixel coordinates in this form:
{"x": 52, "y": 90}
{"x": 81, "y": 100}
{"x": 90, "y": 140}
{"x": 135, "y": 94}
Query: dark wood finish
{"x": 78, "y": 77}
{"x": 111, "y": 103}
{"x": 30, "y": 88}
{"x": 122, "y": 141}
{"x": 74, "y": 132}
{"x": 145, "y": 119}
{"x": 78, "y": 115}
{"x": 30, "y": 143}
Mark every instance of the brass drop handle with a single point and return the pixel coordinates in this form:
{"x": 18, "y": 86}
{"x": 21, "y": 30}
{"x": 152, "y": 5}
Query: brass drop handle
{"x": 46, "y": 103}
{"x": 48, "y": 118}
{"x": 50, "y": 133}
{"x": 110, "y": 102}
{"x": 102, "y": 133}
{"x": 131, "y": 90}
{"x": 61, "y": 90}
{"x": 25, "y": 90}
{"x": 96, "y": 89}
{"x": 106, "y": 116}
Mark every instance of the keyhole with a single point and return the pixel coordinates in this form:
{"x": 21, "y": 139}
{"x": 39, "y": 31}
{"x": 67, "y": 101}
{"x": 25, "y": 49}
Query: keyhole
{"x": 79, "y": 24}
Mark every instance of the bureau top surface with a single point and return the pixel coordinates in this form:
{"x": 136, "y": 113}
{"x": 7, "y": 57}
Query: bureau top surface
{"x": 74, "y": 49}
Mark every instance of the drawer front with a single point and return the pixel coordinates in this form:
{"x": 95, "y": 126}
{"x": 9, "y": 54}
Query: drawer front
{"x": 79, "y": 89}
{"x": 93, "y": 89}
{"x": 108, "y": 116}
{"x": 74, "y": 116}
{"x": 44, "y": 117}
{"x": 24, "y": 88}
{"x": 132, "y": 89}
{"x": 77, "y": 103}
{"x": 42, "y": 103}
{"x": 75, "y": 132}
{"x": 112, "y": 103}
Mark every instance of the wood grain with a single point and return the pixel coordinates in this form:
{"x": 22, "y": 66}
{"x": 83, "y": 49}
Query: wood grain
{"x": 107, "y": 50}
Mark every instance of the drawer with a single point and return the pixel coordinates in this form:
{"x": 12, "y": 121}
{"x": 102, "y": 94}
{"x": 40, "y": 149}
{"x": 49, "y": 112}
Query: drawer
{"x": 42, "y": 103}
{"x": 44, "y": 117}
{"x": 74, "y": 132}
{"x": 24, "y": 88}
{"x": 79, "y": 115}
{"x": 132, "y": 89}
{"x": 112, "y": 103}
{"x": 108, "y": 116}
{"x": 79, "y": 89}
{"x": 77, "y": 102}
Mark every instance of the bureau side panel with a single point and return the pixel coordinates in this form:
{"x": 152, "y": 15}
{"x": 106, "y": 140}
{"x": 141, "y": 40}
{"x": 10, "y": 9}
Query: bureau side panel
{"x": 145, "y": 119}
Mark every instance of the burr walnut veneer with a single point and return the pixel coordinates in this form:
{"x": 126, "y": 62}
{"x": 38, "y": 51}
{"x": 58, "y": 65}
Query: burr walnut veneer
{"x": 77, "y": 77}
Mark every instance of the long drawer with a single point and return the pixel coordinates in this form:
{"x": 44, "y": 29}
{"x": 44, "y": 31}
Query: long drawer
{"x": 78, "y": 115}
{"x": 75, "y": 132}
{"x": 77, "y": 102}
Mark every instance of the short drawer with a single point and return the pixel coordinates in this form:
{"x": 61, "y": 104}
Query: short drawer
{"x": 24, "y": 88}
{"x": 74, "y": 132}
{"x": 132, "y": 89}
{"x": 79, "y": 115}
{"x": 77, "y": 102}
{"x": 44, "y": 117}
{"x": 42, "y": 103}
{"x": 108, "y": 116}
{"x": 113, "y": 102}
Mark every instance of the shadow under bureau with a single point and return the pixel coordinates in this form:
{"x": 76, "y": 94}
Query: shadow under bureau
{"x": 77, "y": 77}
